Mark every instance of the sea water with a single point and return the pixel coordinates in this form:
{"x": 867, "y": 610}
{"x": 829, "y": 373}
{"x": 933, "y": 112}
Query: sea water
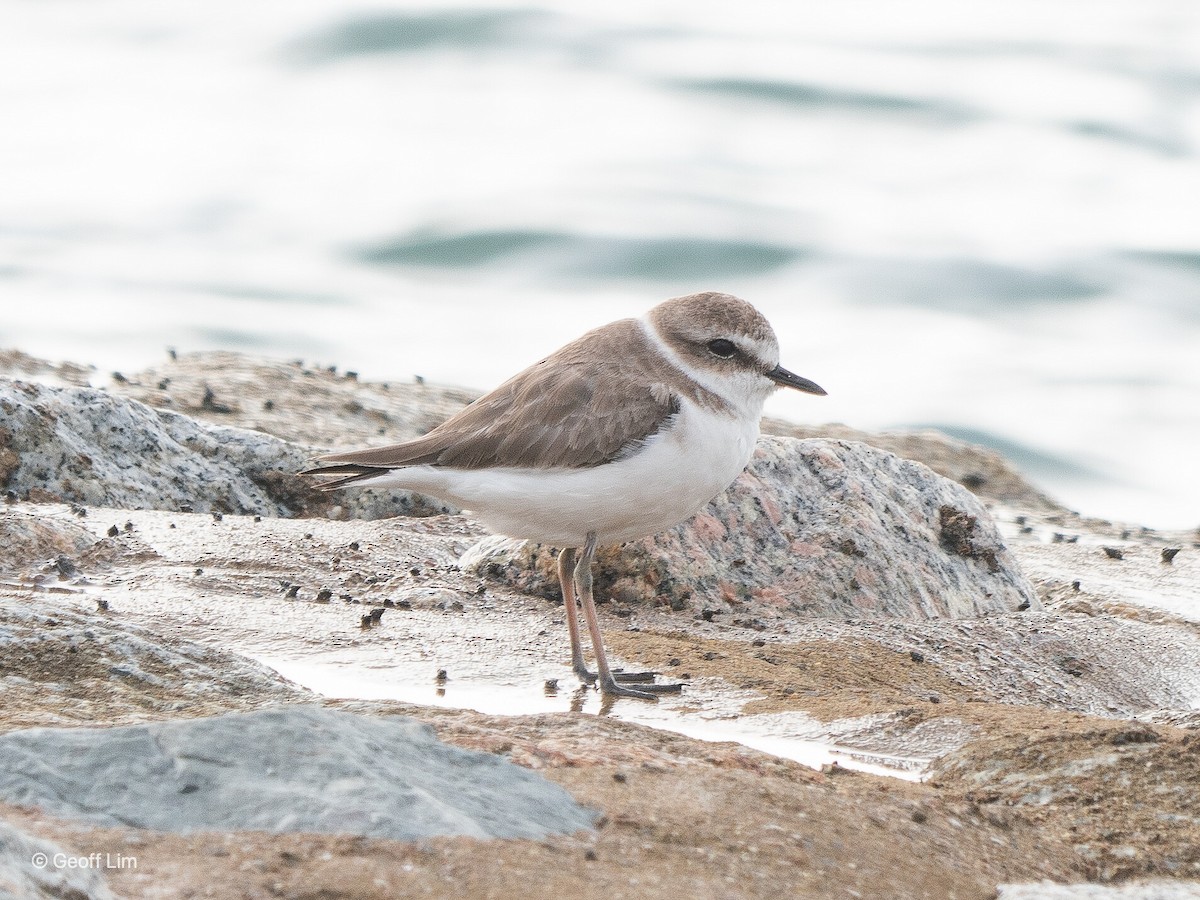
{"x": 979, "y": 217}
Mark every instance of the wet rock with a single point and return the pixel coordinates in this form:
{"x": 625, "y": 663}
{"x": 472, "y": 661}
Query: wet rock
{"x": 28, "y": 870}
{"x": 64, "y": 666}
{"x": 294, "y": 768}
{"x": 833, "y": 529}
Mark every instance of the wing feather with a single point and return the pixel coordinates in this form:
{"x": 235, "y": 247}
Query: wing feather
{"x": 596, "y": 399}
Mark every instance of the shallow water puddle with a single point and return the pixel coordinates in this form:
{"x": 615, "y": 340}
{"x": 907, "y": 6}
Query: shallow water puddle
{"x": 794, "y": 736}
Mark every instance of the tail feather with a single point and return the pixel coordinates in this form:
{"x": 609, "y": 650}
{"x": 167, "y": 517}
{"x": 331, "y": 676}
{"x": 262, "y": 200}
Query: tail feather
{"x": 350, "y": 473}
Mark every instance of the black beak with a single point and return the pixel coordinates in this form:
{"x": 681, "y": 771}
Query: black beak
{"x": 784, "y": 378}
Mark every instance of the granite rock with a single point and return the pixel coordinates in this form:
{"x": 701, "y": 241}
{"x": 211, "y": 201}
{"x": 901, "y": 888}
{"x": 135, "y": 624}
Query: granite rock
{"x": 292, "y": 768}
{"x": 832, "y": 529}
{"x": 86, "y": 446}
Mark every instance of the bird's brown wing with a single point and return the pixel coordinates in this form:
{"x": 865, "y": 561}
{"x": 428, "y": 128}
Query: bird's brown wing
{"x": 588, "y": 403}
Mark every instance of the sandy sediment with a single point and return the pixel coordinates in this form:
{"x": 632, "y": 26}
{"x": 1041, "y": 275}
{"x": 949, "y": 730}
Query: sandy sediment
{"x": 1058, "y": 739}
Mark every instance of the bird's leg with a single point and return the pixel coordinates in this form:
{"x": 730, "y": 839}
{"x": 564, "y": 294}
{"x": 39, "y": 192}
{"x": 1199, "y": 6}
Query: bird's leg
{"x": 566, "y": 578}
{"x": 608, "y": 683}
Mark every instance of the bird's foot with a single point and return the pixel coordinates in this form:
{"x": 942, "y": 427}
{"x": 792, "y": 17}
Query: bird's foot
{"x": 618, "y": 675}
{"x": 643, "y": 691}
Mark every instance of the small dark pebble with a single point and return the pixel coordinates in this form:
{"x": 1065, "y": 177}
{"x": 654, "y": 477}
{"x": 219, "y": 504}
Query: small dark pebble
{"x": 707, "y": 614}
{"x": 171, "y": 353}
{"x": 934, "y": 698}
{"x": 199, "y": 572}
{"x": 1023, "y": 606}
{"x": 162, "y": 384}
{"x": 414, "y": 571}
{"x": 441, "y": 677}
{"x": 268, "y": 405}
{"x": 119, "y": 378}
{"x": 457, "y": 606}
{"x": 1114, "y": 553}
{"x": 308, "y": 535}
{"x": 292, "y": 591}
{"x": 10, "y": 497}
{"x": 352, "y": 375}
{"x": 551, "y": 685}
{"x": 711, "y": 654}
{"x": 674, "y": 661}
{"x": 101, "y": 606}
{"x": 403, "y": 604}
{"x": 366, "y": 621}
{"x": 65, "y": 567}
{"x": 354, "y": 545}
{"x": 172, "y": 525}
{"x": 210, "y": 403}
{"x": 589, "y": 854}
{"x": 919, "y": 816}
{"x": 758, "y": 642}
{"x": 128, "y": 527}
{"x": 217, "y": 517}
{"x": 619, "y": 777}
{"x": 79, "y": 511}
{"x": 1075, "y": 585}
{"x": 324, "y": 595}
{"x": 389, "y": 602}
{"x": 1168, "y": 554}
{"x": 185, "y": 508}
{"x": 258, "y": 518}
{"x": 113, "y": 531}
{"x": 376, "y": 615}
{"x": 916, "y": 656}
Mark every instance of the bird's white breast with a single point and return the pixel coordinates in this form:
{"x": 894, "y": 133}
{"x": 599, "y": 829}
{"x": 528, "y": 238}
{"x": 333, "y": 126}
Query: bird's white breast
{"x": 668, "y": 480}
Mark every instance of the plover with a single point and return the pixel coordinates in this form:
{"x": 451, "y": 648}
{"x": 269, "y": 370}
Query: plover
{"x": 624, "y": 432}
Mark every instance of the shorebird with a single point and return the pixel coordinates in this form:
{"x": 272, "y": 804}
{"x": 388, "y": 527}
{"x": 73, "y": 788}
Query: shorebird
{"x": 623, "y": 433}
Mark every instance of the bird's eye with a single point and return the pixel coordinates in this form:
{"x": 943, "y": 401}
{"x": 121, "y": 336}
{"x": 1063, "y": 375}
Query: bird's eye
{"x": 722, "y": 348}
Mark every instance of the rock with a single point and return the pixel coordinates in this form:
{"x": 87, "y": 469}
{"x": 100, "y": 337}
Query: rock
{"x": 27, "y": 538}
{"x": 834, "y": 529}
{"x": 308, "y": 405}
{"x": 87, "y": 446}
{"x": 984, "y": 472}
{"x": 60, "y": 666}
{"x": 1149, "y": 889}
{"x": 293, "y": 768}
{"x": 28, "y": 870}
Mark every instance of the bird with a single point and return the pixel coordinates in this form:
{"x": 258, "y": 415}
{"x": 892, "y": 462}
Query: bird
{"x": 620, "y": 434}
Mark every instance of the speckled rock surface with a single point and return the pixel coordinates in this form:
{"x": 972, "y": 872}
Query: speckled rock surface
{"x": 832, "y": 529}
{"x": 22, "y": 878}
{"x": 294, "y": 768}
{"x": 86, "y": 446}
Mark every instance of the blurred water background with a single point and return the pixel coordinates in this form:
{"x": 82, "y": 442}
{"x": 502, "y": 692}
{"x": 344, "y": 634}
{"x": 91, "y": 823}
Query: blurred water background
{"x": 983, "y": 217}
